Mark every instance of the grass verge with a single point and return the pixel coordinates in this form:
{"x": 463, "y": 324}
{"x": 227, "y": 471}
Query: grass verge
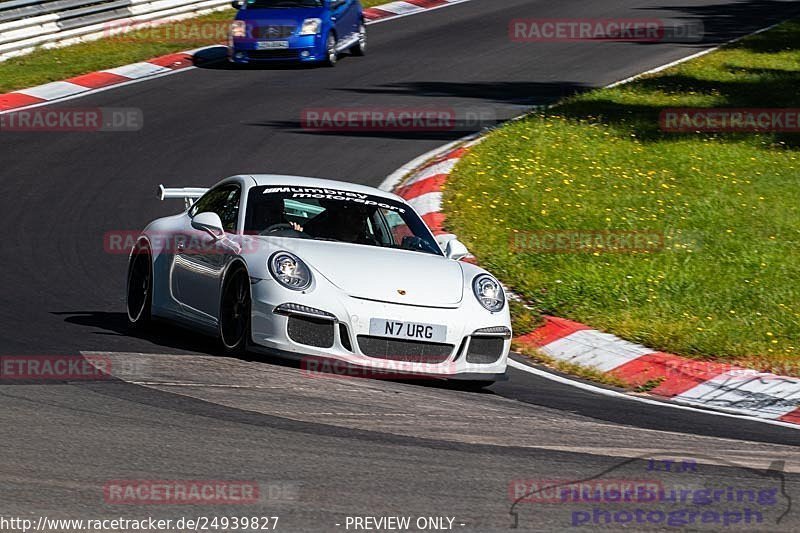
{"x": 46, "y": 65}
{"x": 723, "y": 282}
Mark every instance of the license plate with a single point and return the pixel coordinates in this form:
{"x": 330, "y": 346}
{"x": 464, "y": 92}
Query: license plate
{"x": 271, "y": 45}
{"x": 380, "y": 327}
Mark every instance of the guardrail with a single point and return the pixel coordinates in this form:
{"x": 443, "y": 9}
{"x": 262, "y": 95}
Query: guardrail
{"x": 28, "y": 24}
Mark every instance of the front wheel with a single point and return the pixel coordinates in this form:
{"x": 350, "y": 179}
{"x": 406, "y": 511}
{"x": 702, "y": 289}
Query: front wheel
{"x": 139, "y": 296}
{"x": 331, "y": 55}
{"x": 360, "y": 48}
{"x": 234, "y": 315}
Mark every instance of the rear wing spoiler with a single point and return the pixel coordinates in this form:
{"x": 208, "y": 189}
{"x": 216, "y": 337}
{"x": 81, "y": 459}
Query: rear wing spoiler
{"x": 188, "y": 194}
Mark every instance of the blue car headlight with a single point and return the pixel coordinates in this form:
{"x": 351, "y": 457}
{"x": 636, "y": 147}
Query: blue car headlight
{"x": 311, "y": 27}
{"x": 290, "y": 271}
{"x": 489, "y": 292}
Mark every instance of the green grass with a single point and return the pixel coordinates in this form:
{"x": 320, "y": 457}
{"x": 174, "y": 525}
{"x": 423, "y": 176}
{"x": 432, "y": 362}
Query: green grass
{"x": 523, "y": 320}
{"x": 46, "y": 65}
{"x": 726, "y": 285}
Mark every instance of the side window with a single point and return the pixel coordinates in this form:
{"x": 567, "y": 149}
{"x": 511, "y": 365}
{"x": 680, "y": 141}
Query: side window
{"x": 223, "y": 201}
{"x": 397, "y": 226}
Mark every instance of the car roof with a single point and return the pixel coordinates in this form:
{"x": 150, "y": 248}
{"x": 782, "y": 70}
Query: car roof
{"x": 301, "y": 181}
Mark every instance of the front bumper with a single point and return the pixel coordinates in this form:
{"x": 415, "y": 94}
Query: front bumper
{"x": 347, "y": 340}
{"x": 305, "y": 48}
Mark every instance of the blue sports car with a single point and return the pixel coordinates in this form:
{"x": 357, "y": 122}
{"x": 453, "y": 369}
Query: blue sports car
{"x": 297, "y": 30}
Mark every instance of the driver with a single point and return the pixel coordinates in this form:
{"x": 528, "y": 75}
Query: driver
{"x": 341, "y": 222}
{"x": 270, "y": 213}
{"x": 271, "y": 216}
{"x": 347, "y": 224}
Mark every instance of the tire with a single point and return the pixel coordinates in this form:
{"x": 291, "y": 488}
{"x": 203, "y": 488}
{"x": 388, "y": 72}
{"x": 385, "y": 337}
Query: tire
{"x": 360, "y": 48}
{"x": 332, "y": 56}
{"x": 234, "y": 312}
{"x": 139, "y": 296}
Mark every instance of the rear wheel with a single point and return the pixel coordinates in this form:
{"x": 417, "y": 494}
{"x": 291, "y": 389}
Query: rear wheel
{"x": 331, "y": 55}
{"x": 234, "y": 313}
{"x": 140, "y": 286}
{"x": 360, "y": 48}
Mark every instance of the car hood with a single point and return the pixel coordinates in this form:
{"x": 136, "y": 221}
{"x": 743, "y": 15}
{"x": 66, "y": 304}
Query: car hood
{"x": 383, "y": 274}
{"x": 280, "y": 16}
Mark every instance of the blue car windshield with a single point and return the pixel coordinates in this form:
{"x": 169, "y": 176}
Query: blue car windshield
{"x": 280, "y": 4}
{"x": 336, "y": 215}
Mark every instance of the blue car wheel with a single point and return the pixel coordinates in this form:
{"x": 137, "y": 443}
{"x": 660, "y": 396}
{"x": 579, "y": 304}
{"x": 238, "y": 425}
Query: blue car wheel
{"x": 331, "y": 55}
{"x": 360, "y": 48}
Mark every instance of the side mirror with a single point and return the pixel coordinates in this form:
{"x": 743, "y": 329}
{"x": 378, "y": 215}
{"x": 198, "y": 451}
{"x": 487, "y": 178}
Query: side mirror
{"x": 455, "y": 250}
{"x": 210, "y": 223}
{"x": 237, "y": 4}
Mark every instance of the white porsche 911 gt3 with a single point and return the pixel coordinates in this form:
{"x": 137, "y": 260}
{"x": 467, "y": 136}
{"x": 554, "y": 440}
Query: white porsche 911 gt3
{"x": 325, "y": 269}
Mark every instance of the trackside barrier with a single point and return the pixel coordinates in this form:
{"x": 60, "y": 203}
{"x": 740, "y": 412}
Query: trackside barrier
{"x": 28, "y": 24}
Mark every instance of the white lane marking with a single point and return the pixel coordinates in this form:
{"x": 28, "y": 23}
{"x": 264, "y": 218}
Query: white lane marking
{"x": 592, "y": 348}
{"x": 614, "y": 394}
{"x": 137, "y": 70}
{"x": 54, "y": 90}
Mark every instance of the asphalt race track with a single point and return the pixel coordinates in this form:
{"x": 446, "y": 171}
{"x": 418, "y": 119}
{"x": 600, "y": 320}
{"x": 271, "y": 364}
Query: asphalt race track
{"x": 324, "y": 449}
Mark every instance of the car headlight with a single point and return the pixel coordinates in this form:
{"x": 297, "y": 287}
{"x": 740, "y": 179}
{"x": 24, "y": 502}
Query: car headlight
{"x": 489, "y": 292}
{"x": 238, "y": 28}
{"x": 290, "y": 271}
{"x": 311, "y": 27}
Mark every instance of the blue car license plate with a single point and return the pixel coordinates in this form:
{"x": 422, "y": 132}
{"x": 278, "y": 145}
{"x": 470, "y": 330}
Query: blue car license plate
{"x": 271, "y": 45}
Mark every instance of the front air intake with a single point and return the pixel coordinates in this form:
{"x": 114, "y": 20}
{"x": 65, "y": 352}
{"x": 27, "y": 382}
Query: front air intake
{"x": 311, "y": 331}
{"x": 403, "y": 350}
{"x": 485, "y": 350}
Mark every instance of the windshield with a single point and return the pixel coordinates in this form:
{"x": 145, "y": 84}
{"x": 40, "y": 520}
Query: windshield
{"x": 336, "y": 215}
{"x": 279, "y": 4}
